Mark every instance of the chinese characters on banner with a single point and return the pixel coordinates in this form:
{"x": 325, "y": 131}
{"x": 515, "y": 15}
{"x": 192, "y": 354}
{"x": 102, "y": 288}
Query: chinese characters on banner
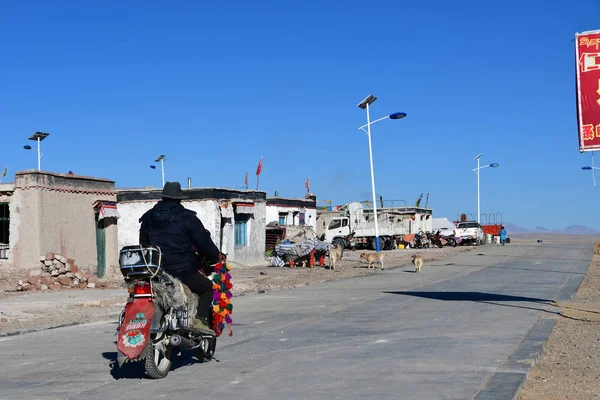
{"x": 587, "y": 50}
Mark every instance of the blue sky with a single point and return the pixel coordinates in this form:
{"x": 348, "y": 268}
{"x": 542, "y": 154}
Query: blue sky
{"x": 215, "y": 87}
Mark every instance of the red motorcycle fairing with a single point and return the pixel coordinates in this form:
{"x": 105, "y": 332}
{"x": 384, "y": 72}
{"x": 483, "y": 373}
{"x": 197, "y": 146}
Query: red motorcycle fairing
{"x": 134, "y": 334}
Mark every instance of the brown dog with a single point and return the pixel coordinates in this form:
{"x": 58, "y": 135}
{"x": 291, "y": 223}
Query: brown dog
{"x": 335, "y": 256}
{"x": 417, "y": 261}
{"x": 373, "y": 258}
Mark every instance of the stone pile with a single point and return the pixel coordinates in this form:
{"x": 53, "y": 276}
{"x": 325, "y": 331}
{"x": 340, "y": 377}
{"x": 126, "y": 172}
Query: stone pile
{"x": 58, "y": 272}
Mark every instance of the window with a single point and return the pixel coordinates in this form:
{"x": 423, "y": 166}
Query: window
{"x": 344, "y": 223}
{"x": 241, "y": 230}
{"x": 4, "y": 230}
{"x": 335, "y": 224}
{"x": 282, "y": 218}
{"x": 466, "y": 225}
{"x": 301, "y": 219}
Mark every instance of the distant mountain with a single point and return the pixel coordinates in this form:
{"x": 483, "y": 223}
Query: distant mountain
{"x": 541, "y": 229}
{"x": 571, "y": 230}
{"x": 580, "y": 230}
{"x": 511, "y": 228}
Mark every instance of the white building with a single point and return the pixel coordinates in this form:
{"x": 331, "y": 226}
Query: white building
{"x": 236, "y": 219}
{"x": 297, "y": 212}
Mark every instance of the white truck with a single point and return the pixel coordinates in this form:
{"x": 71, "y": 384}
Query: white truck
{"x": 354, "y": 226}
{"x": 469, "y": 231}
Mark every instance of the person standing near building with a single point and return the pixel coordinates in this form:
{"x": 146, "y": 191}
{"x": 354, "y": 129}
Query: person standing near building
{"x": 502, "y": 234}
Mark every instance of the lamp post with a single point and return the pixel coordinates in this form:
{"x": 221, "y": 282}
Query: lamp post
{"x": 399, "y": 115}
{"x": 160, "y": 159}
{"x": 493, "y": 165}
{"x": 38, "y": 136}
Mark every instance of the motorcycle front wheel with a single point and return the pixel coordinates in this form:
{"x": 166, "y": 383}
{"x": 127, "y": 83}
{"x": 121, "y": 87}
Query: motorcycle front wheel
{"x": 158, "y": 357}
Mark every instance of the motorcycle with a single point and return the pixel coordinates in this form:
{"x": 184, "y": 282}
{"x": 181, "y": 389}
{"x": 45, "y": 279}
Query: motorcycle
{"x": 451, "y": 240}
{"x": 421, "y": 241}
{"x": 158, "y": 316}
{"x": 435, "y": 239}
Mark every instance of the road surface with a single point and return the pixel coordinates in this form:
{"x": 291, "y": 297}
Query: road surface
{"x": 454, "y": 331}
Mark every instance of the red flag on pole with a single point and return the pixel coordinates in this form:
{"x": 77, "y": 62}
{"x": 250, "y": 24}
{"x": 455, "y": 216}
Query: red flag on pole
{"x": 246, "y": 181}
{"x": 307, "y": 184}
{"x": 259, "y": 169}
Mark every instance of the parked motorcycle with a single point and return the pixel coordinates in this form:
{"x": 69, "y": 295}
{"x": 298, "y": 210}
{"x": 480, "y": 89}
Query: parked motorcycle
{"x": 421, "y": 241}
{"x": 435, "y": 239}
{"x": 451, "y": 240}
{"x": 159, "y": 314}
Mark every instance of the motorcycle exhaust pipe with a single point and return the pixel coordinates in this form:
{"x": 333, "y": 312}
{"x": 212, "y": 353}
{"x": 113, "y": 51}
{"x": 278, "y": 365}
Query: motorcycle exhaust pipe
{"x": 179, "y": 341}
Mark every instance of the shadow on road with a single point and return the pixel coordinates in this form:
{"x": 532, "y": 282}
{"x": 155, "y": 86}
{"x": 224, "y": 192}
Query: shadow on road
{"x": 535, "y": 258}
{"x": 538, "y": 270}
{"x": 516, "y": 268}
{"x": 481, "y": 297}
{"x": 135, "y": 370}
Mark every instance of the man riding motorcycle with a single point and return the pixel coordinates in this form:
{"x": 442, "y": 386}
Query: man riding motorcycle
{"x": 179, "y": 234}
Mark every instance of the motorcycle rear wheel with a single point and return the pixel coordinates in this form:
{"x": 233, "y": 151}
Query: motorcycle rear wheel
{"x": 158, "y": 358}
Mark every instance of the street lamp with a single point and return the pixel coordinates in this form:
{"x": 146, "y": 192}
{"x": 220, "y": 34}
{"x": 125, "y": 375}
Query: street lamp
{"x": 399, "y": 115}
{"x": 38, "y": 136}
{"x": 588, "y": 168}
{"x": 493, "y": 165}
{"x": 592, "y": 168}
{"x": 160, "y": 159}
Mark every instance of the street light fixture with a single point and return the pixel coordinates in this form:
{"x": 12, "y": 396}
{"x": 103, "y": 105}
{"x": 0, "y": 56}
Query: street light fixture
{"x": 588, "y": 168}
{"x": 370, "y": 99}
{"x": 160, "y": 159}
{"x": 592, "y": 168}
{"x": 38, "y": 136}
{"x": 493, "y": 165}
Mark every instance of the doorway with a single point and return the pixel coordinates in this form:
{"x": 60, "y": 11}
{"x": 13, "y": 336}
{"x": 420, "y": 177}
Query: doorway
{"x": 100, "y": 245}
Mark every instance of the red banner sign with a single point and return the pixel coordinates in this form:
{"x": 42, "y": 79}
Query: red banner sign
{"x": 587, "y": 50}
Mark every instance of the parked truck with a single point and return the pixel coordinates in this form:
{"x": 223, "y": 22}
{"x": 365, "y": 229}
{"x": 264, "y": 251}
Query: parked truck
{"x": 469, "y": 232}
{"x": 354, "y": 226}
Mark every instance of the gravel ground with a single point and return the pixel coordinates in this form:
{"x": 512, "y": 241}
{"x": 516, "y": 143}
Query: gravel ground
{"x": 570, "y": 365}
{"x": 25, "y": 311}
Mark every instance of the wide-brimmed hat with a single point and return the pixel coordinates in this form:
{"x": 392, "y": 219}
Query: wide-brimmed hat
{"x": 172, "y": 190}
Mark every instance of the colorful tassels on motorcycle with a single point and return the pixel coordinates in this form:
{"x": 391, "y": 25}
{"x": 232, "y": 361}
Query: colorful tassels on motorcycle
{"x": 222, "y": 307}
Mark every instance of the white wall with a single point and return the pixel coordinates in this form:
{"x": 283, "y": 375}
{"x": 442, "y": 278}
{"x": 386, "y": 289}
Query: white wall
{"x": 254, "y": 252}
{"x": 310, "y": 217}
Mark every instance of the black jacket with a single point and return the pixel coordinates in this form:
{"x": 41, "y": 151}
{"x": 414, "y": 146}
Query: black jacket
{"x": 178, "y": 233}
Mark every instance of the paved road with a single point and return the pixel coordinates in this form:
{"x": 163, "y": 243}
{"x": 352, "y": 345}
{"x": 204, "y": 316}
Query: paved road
{"x": 442, "y": 334}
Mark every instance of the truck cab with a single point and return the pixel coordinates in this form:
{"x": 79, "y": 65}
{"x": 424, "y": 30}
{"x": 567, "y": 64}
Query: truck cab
{"x": 337, "y": 227}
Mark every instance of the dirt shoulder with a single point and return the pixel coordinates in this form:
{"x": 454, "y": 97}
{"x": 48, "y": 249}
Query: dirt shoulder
{"x": 27, "y": 311}
{"x": 570, "y": 365}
